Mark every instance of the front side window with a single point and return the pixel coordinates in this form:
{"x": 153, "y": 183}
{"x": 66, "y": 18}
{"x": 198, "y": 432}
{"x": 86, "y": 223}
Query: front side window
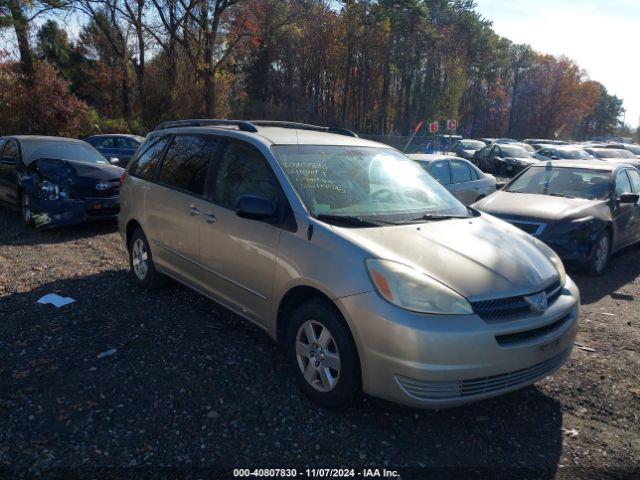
{"x": 148, "y": 160}
{"x": 460, "y": 172}
{"x": 244, "y": 171}
{"x": 634, "y": 176}
{"x": 105, "y": 142}
{"x": 10, "y": 152}
{"x": 186, "y": 162}
{"x": 623, "y": 185}
{"x": 377, "y": 183}
{"x": 563, "y": 182}
{"x": 127, "y": 143}
{"x": 483, "y": 152}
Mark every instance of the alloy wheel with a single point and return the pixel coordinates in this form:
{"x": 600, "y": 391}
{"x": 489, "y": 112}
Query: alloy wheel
{"x": 602, "y": 253}
{"x": 317, "y": 355}
{"x": 139, "y": 258}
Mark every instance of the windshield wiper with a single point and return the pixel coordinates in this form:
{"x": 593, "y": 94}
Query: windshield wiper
{"x": 560, "y": 195}
{"x": 431, "y": 216}
{"x": 349, "y": 220}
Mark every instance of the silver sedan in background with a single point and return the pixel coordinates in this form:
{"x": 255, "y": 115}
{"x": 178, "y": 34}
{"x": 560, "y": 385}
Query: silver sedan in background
{"x": 462, "y": 178}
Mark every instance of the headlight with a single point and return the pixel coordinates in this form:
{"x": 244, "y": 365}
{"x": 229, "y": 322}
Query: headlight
{"x": 411, "y": 289}
{"x": 562, "y": 273}
{"x": 51, "y": 191}
{"x": 554, "y": 258}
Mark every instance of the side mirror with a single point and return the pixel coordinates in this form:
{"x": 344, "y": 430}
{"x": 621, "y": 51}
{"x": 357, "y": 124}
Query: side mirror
{"x": 114, "y": 160}
{"x": 255, "y": 207}
{"x": 628, "y": 198}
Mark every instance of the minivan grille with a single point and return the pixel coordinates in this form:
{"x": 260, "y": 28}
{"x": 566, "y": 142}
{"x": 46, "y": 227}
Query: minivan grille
{"x": 499, "y": 308}
{"x": 426, "y": 390}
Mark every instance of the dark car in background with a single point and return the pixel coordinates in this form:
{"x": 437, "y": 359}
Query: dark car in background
{"x": 463, "y": 179}
{"x": 466, "y": 148}
{"x": 57, "y": 181}
{"x": 121, "y": 146}
{"x": 504, "y": 159}
{"x": 583, "y": 210}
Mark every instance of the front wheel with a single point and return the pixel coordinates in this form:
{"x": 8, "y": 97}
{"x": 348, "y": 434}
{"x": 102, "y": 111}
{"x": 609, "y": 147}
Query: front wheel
{"x": 323, "y": 355}
{"x": 600, "y": 254}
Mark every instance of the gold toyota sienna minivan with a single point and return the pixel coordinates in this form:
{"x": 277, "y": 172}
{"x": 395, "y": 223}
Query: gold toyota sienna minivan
{"x": 370, "y": 273}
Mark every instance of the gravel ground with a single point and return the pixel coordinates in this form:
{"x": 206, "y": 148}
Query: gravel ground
{"x": 191, "y": 389}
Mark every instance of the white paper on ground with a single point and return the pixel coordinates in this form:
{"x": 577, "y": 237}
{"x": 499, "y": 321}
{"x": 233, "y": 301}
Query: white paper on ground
{"x": 56, "y": 300}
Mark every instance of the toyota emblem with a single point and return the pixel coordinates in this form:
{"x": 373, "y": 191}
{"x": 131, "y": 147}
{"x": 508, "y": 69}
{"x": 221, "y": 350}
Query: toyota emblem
{"x": 537, "y": 302}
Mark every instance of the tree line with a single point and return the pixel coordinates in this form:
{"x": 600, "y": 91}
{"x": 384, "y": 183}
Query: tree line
{"x": 374, "y": 66}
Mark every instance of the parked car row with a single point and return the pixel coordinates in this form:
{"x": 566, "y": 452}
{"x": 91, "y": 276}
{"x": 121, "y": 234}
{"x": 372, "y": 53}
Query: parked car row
{"x": 365, "y": 264}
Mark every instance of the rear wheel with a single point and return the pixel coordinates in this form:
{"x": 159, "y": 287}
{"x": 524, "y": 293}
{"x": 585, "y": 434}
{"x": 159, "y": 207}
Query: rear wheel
{"x": 323, "y": 355}
{"x": 141, "y": 262}
{"x": 600, "y": 254}
{"x": 27, "y": 213}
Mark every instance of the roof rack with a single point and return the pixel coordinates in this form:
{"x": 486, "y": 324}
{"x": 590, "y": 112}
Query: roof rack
{"x": 251, "y": 126}
{"x": 241, "y": 124}
{"x": 303, "y": 126}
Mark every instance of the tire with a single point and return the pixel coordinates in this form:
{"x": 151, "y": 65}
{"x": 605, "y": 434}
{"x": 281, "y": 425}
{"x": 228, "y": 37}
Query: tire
{"x": 335, "y": 360}
{"x": 141, "y": 263}
{"x": 25, "y": 211}
{"x": 600, "y": 254}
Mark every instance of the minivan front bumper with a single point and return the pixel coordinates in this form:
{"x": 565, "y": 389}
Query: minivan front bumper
{"x": 438, "y": 361}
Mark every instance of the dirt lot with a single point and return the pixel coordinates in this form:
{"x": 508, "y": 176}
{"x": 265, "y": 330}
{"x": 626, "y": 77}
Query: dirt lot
{"x": 193, "y": 387}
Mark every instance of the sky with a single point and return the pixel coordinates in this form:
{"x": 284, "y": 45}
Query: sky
{"x": 601, "y": 36}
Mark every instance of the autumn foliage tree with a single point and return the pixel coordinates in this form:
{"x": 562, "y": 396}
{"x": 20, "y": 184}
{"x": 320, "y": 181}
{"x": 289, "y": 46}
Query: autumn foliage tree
{"x": 375, "y": 66}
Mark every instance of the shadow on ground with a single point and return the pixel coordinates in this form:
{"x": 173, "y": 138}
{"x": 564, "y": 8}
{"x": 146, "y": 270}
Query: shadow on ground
{"x": 193, "y": 386}
{"x": 14, "y": 232}
{"x": 623, "y": 269}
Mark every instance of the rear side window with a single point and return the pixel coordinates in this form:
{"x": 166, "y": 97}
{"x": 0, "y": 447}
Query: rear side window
{"x": 460, "y": 172}
{"x": 243, "y": 171}
{"x": 440, "y": 171}
{"x": 186, "y": 162}
{"x": 147, "y": 161}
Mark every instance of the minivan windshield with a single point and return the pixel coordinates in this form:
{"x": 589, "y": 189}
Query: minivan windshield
{"x": 365, "y": 182}
{"x": 563, "y": 182}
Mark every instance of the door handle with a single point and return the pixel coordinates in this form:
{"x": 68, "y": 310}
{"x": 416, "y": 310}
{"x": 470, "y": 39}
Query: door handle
{"x": 210, "y": 217}
{"x": 193, "y": 210}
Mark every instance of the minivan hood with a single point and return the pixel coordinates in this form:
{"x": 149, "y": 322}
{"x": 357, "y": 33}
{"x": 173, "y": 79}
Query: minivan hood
{"x": 480, "y": 257}
{"x": 535, "y": 207}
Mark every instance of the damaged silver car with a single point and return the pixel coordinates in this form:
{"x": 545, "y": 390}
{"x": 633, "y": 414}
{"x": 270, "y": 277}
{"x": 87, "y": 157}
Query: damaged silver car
{"x": 57, "y": 181}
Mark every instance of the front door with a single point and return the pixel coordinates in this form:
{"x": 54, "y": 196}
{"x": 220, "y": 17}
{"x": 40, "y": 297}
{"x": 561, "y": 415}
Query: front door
{"x": 239, "y": 254}
{"x": 634, "y": 176}
{"x": 624, "y": 215}
{"x": 175, "y": 204}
